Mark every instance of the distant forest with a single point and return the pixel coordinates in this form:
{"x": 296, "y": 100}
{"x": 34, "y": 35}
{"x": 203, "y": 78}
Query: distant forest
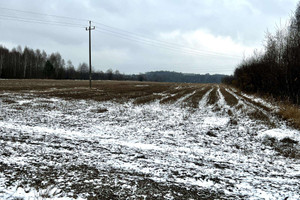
{"x": 36, "y": 64}
{"x": 166, "y": 76}
{"x": 276, "y": 71}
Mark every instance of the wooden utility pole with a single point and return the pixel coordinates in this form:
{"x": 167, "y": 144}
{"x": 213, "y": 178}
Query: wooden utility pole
{"x": 90, "y": 50}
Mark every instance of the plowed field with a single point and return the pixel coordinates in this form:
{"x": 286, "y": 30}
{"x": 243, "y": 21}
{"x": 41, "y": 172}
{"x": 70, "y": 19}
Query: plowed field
{"x": 140, "y": 140}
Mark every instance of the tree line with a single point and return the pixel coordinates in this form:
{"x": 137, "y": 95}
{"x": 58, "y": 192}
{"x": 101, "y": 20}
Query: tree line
{"x": 27, "y": 63}
{"x": 31, "y": 64}
{"x": 275, "y": 70}
{"x": 166, "y": 76}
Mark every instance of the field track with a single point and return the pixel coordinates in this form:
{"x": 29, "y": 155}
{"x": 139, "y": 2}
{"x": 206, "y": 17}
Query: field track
{"x": 135, "y": 140}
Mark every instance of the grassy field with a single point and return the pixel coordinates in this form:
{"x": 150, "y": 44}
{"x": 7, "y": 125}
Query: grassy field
{"x": 143, "y": 140}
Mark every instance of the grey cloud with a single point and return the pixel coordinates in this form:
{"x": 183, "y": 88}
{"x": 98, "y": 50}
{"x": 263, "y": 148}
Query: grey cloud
{"x": 245, "y": 21}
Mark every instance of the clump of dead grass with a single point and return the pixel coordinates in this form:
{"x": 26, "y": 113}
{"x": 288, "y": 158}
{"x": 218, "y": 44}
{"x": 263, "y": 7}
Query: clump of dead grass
{"x": 291, "y": 113}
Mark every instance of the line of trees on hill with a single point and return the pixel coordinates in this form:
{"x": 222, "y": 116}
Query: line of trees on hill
{"x": 276, "y": 71}
{"x": 166, "y": 76}
{"x": 33, "y": 64}
{"x": 29, "y": 63}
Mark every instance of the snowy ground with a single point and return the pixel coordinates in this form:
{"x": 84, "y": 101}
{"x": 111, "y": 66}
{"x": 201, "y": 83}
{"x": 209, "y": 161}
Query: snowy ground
{"x": 53, "y": 148}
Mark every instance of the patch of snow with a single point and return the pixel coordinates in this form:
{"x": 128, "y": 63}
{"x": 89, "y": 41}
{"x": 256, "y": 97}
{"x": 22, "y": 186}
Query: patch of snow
{"x": 193, "y": 182}
{"x": 281, "y": 134}
{"x": 142, "y": 146}
{"x": 21, "y": 102}
{"x": 221, "y": 102}
{"x": 215, "y": 121}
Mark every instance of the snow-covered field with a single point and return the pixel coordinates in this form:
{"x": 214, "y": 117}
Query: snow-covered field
{"x": 54, "y": 148}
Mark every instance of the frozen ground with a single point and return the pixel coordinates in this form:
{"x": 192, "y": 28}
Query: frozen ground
{"x": 53, "y": 148}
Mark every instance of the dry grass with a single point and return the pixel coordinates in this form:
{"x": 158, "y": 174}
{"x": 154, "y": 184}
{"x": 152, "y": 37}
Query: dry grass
{"x": 290, "y": 113}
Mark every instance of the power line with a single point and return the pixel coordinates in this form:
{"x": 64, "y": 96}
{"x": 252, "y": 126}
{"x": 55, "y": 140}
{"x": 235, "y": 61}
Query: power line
{"x": 44, "y": 14}
{"x": 30, "y": 20}
{"x": 116, "y": 32}
{"x": 149, "y": 43}
{"x": 166, "y": 46}
{"x": 120, "y": 31}
{"x": 145, "y": 42}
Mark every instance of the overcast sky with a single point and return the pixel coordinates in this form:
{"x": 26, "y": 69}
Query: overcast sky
{"x": 190, "y": 36}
